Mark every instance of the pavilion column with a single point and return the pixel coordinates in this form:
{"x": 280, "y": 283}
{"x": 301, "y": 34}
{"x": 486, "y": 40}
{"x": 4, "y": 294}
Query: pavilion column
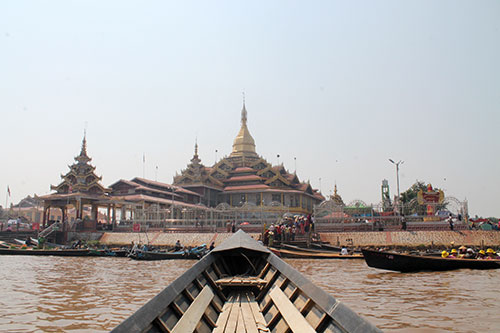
{"x": 94, "y": 215}
{"x": 113, "y": 218}
{"x": 44, "y": 221}
{"x": 123, "y": 212}
{"x": 108, "y": 217}
{"x": 78, "y": 208}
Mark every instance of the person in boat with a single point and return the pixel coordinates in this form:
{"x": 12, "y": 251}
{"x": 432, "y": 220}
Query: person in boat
{"x": 462, "y": 250}
{"x": 177, "y": 246}
{"x": 344, "y": 251}
{"x": 470, "y": 254}
{"x": 27, "y": 242}
{"x": 490, "y": 254}
{"x": 271, "y": 238}
{"x": 212, "y": 246}
{"x": 453, "y": 253}
{"x": 445, "y": 254}
{"x": 481, "y": 255}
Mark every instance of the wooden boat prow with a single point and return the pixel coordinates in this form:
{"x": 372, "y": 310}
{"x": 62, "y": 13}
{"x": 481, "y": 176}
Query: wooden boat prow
{"x": 242, "y": 286}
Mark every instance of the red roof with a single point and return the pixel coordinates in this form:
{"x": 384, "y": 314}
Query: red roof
{"x": 242, "y": 178}
{"x": 243, "y": 169}
{"x": 141, "y": 197}
{"x": 246, "y": 187}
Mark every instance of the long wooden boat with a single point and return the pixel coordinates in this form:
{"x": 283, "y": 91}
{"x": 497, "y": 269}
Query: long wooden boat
{"x": 328, "y": 247}
{"x": 34, "y": 252}
{"x": 414, "y": 263}
{"x": 285, "y": 253}
{"x": 240, "y": 286}
{"x": 193, "y": 253}
{"x": 152, "y": 255}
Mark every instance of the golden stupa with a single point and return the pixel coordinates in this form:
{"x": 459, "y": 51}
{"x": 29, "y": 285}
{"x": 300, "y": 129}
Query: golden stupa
{"x": 244, "y": 144}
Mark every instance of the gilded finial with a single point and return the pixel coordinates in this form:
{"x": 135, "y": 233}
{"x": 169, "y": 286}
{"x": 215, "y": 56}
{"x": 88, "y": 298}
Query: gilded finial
{"x": 196, "y": 147}
{"x": 244, "y": 112}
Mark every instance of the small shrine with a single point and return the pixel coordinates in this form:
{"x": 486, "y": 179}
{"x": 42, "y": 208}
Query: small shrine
{"x": 79, "y": 189}
{"x": 431, "y": 198}
{"x": 336, "y": 198}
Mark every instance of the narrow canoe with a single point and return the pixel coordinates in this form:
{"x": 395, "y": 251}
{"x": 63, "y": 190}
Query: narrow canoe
{"x": 285, "y": 253}
{"x": 328, "y": 247}
{"x": 240, "y": 286}
{"x": 152, "y": 255}
{"x": 414, "y": 263}
{"x": 31, "y": 252}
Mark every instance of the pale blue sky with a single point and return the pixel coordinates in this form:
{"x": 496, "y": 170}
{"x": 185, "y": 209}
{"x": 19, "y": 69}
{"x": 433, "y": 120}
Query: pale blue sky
{"x": 340, "y": 85}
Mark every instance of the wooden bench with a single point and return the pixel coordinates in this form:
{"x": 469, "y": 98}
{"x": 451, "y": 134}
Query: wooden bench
{"x": 193, "y": 314}
{"x": 294, "y": 319}
{"x": 241, "y": 281}
{"x": 241, "y": 313}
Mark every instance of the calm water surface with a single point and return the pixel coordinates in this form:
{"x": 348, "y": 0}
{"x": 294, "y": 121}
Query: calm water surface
{"x": 55, "y": 294}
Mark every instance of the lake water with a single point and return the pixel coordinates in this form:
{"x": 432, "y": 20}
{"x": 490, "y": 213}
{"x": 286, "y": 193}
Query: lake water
{"x": 92, "y": 294}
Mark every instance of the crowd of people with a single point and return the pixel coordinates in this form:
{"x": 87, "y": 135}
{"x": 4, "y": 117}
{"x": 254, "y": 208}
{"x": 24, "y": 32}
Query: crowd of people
{"x": 469, "y": 253}
{"x": 287, "y": 229}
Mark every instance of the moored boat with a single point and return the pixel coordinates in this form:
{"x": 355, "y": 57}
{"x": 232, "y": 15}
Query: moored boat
{"x": 154, "y": 255}
{"x": 242, "y": 286}
{"x": 36, "y": 252}
{"x": 414, "y": 263}
{"x": 193, "y": 253}
{"x": 310, "y": 254}
{"x": 332, "y": 248}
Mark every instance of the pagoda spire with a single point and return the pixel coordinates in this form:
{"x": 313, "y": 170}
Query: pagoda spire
{"x": 244, "y": 112}
{"x": 83, "y": 157}
{"x": 244, "y": 144}
{"x": 195, "y": 159}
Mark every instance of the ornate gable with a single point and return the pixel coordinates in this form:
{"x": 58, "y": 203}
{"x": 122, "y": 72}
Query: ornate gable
{"x": 81, "y": 176}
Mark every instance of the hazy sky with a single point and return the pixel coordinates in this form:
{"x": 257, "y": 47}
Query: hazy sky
{"x": 341, "y": 85}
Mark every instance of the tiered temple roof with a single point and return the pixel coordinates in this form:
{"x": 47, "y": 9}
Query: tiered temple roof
{"x": 81, "y": 177}
{"x": 244, "y": 171}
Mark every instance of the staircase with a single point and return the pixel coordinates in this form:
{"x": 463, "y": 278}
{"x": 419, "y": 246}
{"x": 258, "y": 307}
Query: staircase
{"x": 50, "y": 229}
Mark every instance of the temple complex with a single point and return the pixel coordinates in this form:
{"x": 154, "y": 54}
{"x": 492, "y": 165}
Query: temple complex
{"x": 242, "y": 185}
{"x": 245, "y": 178}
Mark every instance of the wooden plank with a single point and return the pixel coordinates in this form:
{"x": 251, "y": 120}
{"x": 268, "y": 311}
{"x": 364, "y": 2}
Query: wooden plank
{"x": 190, "y": 319}
{"x": 268, "y": 285}
{"x": 264, "y": 270}
{"x": 291, "y": 315}
{"x": 161, "y": 325}
{"x": 214, "y": 304}
{"x": 214, "y": 286}
{"x": 233, "y": 317}
{"x": 240, "y": 326}
{"x": 220, "y": 325}
{"x": 257, "y": 314}
{"x": 248, "y": 318}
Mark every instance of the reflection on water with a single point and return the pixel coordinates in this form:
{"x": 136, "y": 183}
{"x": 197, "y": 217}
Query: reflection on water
{"x": 56, "y": 294}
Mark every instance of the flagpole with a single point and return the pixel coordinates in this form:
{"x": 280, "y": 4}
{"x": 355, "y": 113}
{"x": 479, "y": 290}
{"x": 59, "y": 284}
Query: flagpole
{"x": 7, "y": 195}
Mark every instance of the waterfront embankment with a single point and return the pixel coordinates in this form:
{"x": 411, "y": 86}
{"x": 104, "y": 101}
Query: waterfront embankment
{"x": 374, "y": 238}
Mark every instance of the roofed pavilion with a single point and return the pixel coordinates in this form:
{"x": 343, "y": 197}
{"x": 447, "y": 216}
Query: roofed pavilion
{"x": 80, "y": 187}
